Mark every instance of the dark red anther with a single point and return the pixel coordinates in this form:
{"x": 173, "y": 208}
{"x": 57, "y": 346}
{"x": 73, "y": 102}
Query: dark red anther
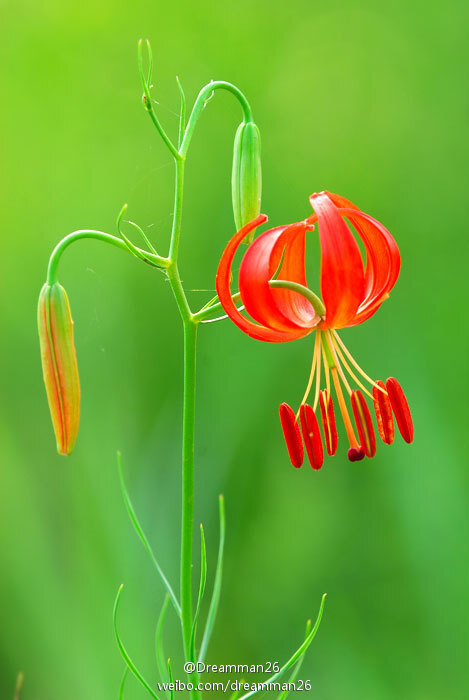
{"x": 311, "y": 436}
{"x": 328, "y": 422}
{"x": 355, "y": 454}
{"x": 291, "y": 432}
{"x": 400, "y": 408}
{"x": 383, "y": 411}
{"x": 364, "y": 424}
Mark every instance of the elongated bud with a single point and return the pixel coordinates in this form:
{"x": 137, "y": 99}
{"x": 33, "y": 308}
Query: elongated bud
{"x": 59, "y": 364}
{"x": 246, "y": 179}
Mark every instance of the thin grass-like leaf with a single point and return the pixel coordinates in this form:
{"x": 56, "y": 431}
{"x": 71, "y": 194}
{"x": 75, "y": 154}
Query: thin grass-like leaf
{"x": 159, "y": 650}
{"x": 19, "y": 685}
{"x": 182, "y": 114}
{"x": 203, "y": 579}
{"x": 298, "y": 666}
{"x": 124, "y": 653}
{"x": 142, "y": 536}
{"x": 170, "y": 676}
{"x": 297, "y": 655}
{"x": 122, "y": 685}
{"x": 213, "y": 609}
{"x": 143, "y": 235}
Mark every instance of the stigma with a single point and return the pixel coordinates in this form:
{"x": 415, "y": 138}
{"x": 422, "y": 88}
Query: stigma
{"x": 333, "y": 367}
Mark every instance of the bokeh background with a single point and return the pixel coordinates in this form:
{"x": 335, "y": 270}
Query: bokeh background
{"x": 366, "y": 99}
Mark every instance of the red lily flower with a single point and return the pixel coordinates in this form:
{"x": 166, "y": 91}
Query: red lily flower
{"x": 274, "y": 293}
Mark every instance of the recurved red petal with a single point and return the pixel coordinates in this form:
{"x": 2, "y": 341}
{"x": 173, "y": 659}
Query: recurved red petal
{"x": 400, "y": 408}
{"x": 311, "y": 436}
{"x": 364, "y": 423}
{"x": 383, "y": 411}
{"x": 328, "y": 422}
{"x": 291, "y": 432}
{"x": 280, "y": 309}
{"x": 383, "y": 259}
{"x": 224, "y": 292}
{"x": 342, "y": 274}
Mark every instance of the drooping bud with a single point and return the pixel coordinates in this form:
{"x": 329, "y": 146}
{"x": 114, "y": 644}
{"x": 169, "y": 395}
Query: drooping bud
{"x": 400, "y": 408}
{"x": 328, "y": 422}
{"x": 383, "y": 411}
{"x": 311, "y": 436}
{"x": 246, "y": 179}
{"x": 364, "y": 423}
{"x": 59, "y": 364}
{"x": 292, "y": 435}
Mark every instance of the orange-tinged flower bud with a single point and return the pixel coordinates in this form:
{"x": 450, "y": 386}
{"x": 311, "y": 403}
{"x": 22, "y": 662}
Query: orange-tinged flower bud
{"x": 59, "y": 364}
{"x": 246, "y": 180}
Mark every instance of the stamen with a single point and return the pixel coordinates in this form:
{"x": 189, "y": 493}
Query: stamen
{"x": 353, "y": 361}
{"x": 313, "y": 370}
{"x": 291, "y": 432}
{"x": 343, "y": 409}
{"x": 318, "y": 375}
{"x": 383, "y": 411}
{"x": 337, "y": 364}
{"x": 328, "y": 421}
{"x": 400, "y": 409}
{"x": 311, "y": 436}
{"x": 348, "y": 368}
{"x": 364, "y": 423}
{"x": 326, "y": 370}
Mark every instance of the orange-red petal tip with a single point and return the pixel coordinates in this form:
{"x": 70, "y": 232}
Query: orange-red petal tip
{"x": 291, "y": 432}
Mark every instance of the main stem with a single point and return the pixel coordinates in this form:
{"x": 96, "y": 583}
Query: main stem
{"x": 190, "y": 341}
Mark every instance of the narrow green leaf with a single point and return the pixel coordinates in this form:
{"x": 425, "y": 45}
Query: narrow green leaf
{"x": 19, "y": 685}
{"x": 203, "y": 578}
{"x": 142, "y": 536}
{"x": 124, "y": 653}
{"x": 182, "y": 114}
{"x": 122, "y": 685}
{"x": 213, "y": 609}
{"x": 297, "y": 655}
{"x": 298, "y": 666}
{"x": 160, "y": 655}
{"x": 170, "y": 675}
{"x": 143, "y": 235}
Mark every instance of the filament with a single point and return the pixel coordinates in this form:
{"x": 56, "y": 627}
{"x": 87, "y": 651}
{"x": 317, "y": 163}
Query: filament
{"x": 343, "y": 409}
{"x": 318, "y": 373}
{"x": 338, "y": 365}
{"x": 355, "y": 363}
{"x": 313, "y": 370}
{"x": 347, "y": 367}
{"x": 326, "y": 370}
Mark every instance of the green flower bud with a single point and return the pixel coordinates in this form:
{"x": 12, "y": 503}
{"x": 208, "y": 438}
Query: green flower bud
{"x": 59, "y": 364}
{"x": 246, "y": 180}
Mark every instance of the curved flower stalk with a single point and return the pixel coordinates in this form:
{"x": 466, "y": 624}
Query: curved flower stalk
{"x": 274, "y": 292}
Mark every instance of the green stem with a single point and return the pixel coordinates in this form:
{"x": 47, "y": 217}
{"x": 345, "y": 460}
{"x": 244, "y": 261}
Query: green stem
{"x": 99, "y": 236}
{"x": 190, "y": 341}
{"x": 200, "y": 103}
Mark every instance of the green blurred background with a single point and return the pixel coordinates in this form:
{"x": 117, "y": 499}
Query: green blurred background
{"x": 366, "y": 99}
